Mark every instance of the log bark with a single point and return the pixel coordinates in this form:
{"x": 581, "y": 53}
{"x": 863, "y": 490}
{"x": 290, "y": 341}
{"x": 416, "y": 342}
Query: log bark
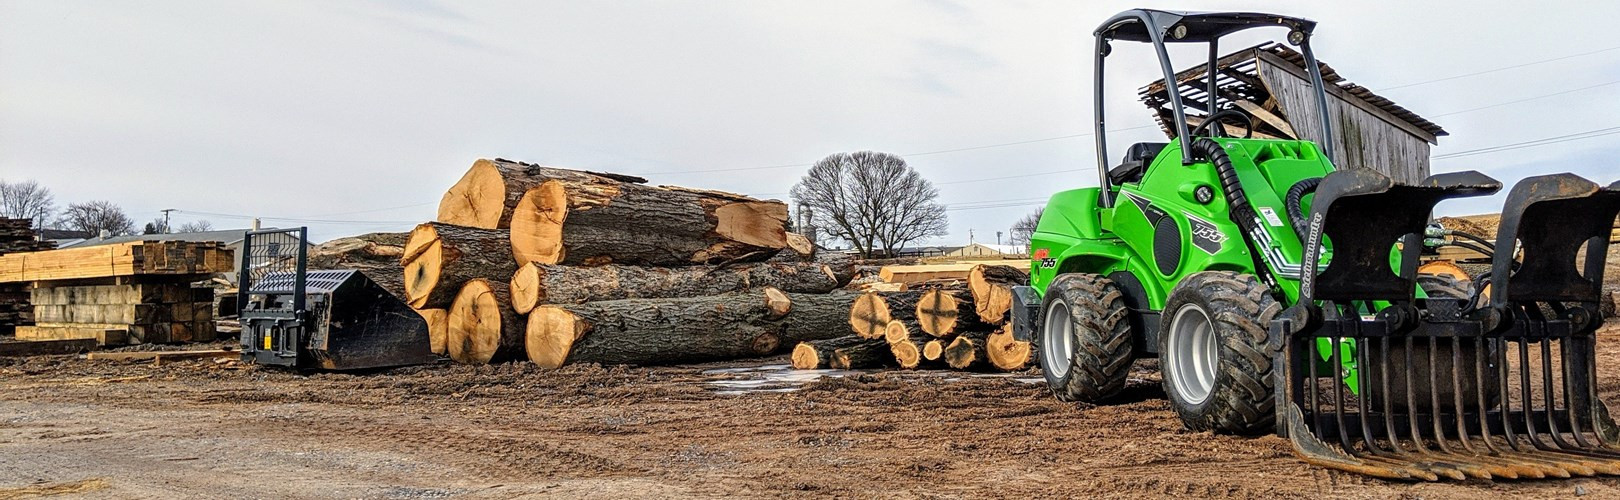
{"x": 819, "y": 354}
{"x": 991, "y": 286}
{"x": 535, "y": 284}
{"x": 438, "y": 328}
{"x": 943, "y": 312}
{"x": 488, "y": 193}
{"x": 841, "y": 264}
{"x": 871, "y": 313}
{"x": 1007, "y": 353}
{"x": 670, "y": 331}
{"x": 967, "y": 351}
{"x": 593, "y": 220}
{"x": 871, "y": 354}
{"x": 482, "y": 327}
{"x": 440, "y": 258}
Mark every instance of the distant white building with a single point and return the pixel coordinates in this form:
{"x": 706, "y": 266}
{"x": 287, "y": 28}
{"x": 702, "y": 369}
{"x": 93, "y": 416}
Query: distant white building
{"x": 986, "y": 250}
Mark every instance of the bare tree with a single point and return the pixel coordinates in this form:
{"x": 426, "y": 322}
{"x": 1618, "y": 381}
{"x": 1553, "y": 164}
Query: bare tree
{"x": 1025, "y": 227}
{"x": 27, "y": 200}
{"x": 196, "y": 226}
{"x": 157, "y": 226}
{"x": 97, "y": 216}
{"x": 873, "y": 200}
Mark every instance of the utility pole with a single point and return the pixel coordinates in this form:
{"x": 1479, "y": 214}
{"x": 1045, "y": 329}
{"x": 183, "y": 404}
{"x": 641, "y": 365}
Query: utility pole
{"x": 970, "y": 236}
{"x": 998, "y": 238}
{"x": 165, "y": 227}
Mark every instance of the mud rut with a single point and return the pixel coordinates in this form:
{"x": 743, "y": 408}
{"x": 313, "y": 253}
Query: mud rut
{"x": 204, "y": 429}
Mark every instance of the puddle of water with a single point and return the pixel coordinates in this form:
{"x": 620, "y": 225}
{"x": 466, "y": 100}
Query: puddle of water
{"x": 766, "y": 378}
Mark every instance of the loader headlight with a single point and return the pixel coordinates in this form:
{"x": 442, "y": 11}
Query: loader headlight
{"x": 1296, "y": 37}
{"x": 1204, "y": 194}
{"x": 1179, "y": 32}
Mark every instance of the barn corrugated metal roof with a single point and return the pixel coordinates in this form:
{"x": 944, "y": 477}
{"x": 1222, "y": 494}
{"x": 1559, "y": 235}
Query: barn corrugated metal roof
{"x": 1154, "y": 96}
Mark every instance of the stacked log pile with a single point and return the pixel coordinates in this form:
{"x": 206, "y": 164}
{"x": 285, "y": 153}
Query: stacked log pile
{"x": 560, "y": 266}
{"x": 16, "y": 236}
{"x": 962, "y": 326}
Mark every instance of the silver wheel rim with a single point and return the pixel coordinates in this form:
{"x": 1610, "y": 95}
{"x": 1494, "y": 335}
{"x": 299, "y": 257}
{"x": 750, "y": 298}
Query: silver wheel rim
{"x": 1057, "y": 339}
{"x": 1192, "y": 353}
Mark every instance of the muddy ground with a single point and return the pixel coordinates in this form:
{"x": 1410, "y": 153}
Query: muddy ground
{"x": 103, "y": 429}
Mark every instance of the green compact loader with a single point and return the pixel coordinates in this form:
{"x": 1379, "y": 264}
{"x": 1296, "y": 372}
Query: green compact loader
{"x": 1280, "y": 293}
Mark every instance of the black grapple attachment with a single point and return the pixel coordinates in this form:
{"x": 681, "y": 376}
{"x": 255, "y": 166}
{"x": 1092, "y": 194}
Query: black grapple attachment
{"x": 1501, "y": 384}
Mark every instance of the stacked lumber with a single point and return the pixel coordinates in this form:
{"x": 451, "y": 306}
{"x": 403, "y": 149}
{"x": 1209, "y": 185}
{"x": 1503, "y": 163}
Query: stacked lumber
{"x": 559, "y": 266}
{"x": 16, "y": 236}
{"x": 122, "y": 314}
{"x": 135, "y": 258}
{"x": 961, "y": 326}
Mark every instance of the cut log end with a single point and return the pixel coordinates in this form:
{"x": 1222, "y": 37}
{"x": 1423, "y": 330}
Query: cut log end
{"x": 477, "y": 200}
{"x": 896, "y": 332}
{"x": 937, "y": 313}
{"x": 777, "y": 303}
{"x": 933, "y": 350}
{"x": 550, "y": 335}
{"x": 800, "y": 245}
{"x": 757, "y": 223}
{"x": 805, "y": 357}
{"x": 906, "y": 354}
{"x": 1005, "y": 352}
{"x": 422, "y": 258}
{"x": 537, "y": 224}
{"x": 993, "y": 309}
{"x": 527, "y": 291}
{"x": 476, "y": 324}
{"x": 869, "y": 316}
{"x": 438, "y": 330}
{"x": 966, "y": 351}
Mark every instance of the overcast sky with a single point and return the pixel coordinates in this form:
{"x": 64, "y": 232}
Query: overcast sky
{"x": 368, "y": 110}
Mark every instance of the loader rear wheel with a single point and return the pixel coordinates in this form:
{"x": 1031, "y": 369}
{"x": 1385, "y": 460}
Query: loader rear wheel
{"x": 1084, "y": 344}
{"x": 1215, "y": 355}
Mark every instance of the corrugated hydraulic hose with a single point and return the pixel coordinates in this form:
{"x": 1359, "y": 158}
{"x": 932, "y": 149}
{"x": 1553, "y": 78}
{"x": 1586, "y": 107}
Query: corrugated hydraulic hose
{"x": 1241, "y": 212}
{"x": 1294, "y": 204}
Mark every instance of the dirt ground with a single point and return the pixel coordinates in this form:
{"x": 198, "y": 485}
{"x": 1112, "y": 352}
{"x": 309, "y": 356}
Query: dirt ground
{"x": 101, "y": 429}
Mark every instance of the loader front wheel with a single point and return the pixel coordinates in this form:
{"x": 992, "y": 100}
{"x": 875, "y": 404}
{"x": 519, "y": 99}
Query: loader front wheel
{"x": 1084, "y": 344}
{"x": 1215, "y": 355}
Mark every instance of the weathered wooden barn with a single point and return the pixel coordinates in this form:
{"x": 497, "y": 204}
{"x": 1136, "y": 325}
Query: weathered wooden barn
{"x": 1270, "y": 83}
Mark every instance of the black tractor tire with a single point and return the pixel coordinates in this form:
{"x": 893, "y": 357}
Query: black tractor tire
{"x": 1099, "y": 356}
{"x": 1238, "y": 309}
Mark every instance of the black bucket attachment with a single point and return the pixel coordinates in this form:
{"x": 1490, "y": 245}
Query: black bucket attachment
{"x": 1450, "y": 387}
{"x": 322, "y": 319}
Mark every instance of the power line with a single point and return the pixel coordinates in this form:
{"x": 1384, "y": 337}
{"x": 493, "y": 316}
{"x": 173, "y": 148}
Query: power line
{"x": 1527, "y": 99}
{"x": 1529, "y": 144}
{"x": 1504, "y": 68}
{"x": 297, "y": 219}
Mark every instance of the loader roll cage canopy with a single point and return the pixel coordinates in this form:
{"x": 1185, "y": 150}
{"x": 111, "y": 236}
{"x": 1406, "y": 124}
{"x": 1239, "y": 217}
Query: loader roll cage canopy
{"x": 1160, "y": 27}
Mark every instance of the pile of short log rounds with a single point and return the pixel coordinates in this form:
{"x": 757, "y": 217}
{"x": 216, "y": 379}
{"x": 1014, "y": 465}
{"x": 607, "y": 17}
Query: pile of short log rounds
{"x": 942, "y": 326}
{"x": 562, "y": 266}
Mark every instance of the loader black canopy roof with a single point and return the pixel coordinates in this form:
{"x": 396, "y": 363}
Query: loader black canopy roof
{"x": 1201, "y": 26}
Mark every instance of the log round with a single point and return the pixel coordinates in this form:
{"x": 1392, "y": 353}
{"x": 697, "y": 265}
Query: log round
{"x": 488, "y": 193}
{"x": 967, "y": 351}
{"x": 595, "y": 220}
{"x": 991, "y": 286}
{"x": 1005, "y": 352}
{"x": 482, "y": 327}
{"x": 536, "y": 284}
{"x": 438, "y": 328}
{"x": 439, "y": 258}
{"x": 870, "y": 315}
{"x": 933, "y": 350}
{"x": 942, "y": 312}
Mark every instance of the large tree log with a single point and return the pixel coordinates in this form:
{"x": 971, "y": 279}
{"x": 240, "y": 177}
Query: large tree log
{"x": 870, "y": 315}
{"x": 967, "y": 351}
{"x": 536, "y": 284}
{"x": 991, "y": 286}
{"x": 854, "y": 350}
{"x": 1005, "y": 352}
{"x": 483, "y": 328}
{"x": 593, "y": 220}
{"x": 841, "y": 264}
{"x": 905, "y": 342}
{"x": 487, "y": 194}
{"x": 669, "y": 331}
{"x": 942, "y": 312}
{"x": 439, "y": 258}
{"x": 933, "y": 350}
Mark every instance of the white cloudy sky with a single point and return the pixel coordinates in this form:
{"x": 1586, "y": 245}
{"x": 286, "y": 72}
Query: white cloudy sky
{"x": 355, "y": 111}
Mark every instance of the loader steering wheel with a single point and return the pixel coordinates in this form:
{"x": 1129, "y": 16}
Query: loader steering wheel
{"x": 1248, "y": 123}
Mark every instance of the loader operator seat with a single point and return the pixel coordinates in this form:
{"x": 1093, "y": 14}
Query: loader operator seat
{"x": 1135, "y": 162}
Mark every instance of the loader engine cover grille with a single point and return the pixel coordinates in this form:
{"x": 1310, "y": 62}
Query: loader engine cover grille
{"x": 1167, "y": 246}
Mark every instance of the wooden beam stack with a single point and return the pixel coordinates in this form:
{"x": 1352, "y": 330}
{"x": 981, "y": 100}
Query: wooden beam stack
{"x": 134, "y": 292}
{"x": 17, "y": 236}
{"x": 562, "y": 266}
